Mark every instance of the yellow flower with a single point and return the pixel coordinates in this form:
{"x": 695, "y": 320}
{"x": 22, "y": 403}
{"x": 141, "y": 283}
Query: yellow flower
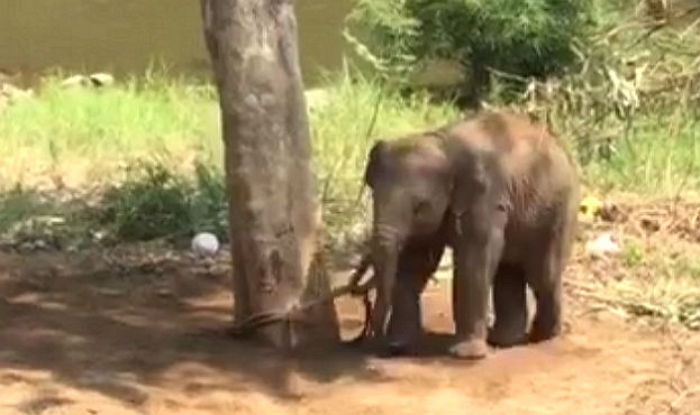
{"x": 589, "y": 208}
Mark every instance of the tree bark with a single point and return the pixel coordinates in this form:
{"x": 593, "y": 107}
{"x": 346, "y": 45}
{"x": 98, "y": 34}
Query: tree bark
{"x": 274, "y": 215}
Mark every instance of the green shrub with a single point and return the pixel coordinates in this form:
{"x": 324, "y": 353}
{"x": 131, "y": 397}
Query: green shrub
{"x": 157, "y": 201}
{"x": 151, "y": 203}
{"x": 208, "y": 204}
{"x": 530, "y": 38}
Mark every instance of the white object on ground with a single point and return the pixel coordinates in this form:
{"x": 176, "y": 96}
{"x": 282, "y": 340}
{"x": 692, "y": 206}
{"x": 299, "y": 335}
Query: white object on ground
{"x": 101, "y": 79}
{"x": 602, "y": 246}
{"x": 205, "y": 244}
{"x": 98, "y": 79}
{"x": 75, "y": 80}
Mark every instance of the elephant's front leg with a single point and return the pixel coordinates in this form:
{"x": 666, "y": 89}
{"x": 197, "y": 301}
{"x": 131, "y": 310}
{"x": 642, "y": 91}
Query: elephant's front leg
{"x": 416, "y": 266}
{"x": 477, "y": 251}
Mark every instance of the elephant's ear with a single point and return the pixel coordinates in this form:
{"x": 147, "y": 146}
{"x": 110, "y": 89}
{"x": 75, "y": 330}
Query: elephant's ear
{"x": 376, "y": 162}
{"x": 469, "y": 178}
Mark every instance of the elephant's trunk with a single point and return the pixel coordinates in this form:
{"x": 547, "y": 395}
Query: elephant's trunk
{"x": 386, "y": 248}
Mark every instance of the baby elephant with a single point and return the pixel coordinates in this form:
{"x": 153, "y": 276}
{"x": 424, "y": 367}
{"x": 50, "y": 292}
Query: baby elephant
{"x": 501, "y": 192}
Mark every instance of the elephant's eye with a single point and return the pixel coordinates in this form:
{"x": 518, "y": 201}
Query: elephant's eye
{"x": 421, "y": 208}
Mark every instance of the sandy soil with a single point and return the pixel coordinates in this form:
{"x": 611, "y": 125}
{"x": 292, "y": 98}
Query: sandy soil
{"x": 90, "y": 335}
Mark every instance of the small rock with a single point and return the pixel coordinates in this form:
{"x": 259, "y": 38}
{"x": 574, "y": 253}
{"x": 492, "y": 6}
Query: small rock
{"x": 98, "y": 236}
{"x": 603, "y": 245}
{"x": 12, "y": 93}
{"x": 101, "y": 79}
{"x": 109, "y": 292}
{"x": 75, "y": 80}
{"x": 53, "y": 220}
{"x": 164, "y": 292}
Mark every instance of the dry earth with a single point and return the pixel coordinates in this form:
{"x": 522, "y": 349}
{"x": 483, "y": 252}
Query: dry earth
{"x": 131, "y": 332}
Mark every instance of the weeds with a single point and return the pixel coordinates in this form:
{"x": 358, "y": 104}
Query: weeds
{"x": 18, "y": 205}
{"x": 30, "y": 220}
{"x": 154, "y": 202}
{"x": 151, "y": 203}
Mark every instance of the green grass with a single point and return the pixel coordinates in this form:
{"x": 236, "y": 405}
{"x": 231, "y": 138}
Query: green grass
{"x": 84, "y": 134}
{"x": 660, "y": 157}
{"x": 152, "y": 143}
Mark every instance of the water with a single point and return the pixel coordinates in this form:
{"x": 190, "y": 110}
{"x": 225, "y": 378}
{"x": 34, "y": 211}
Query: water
{"x": 124, "y": 36}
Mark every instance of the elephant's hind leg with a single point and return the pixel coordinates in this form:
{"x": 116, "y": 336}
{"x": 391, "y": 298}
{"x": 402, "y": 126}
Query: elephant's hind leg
{"x": 510, "y": 307}
{"x": 544, "y": 275}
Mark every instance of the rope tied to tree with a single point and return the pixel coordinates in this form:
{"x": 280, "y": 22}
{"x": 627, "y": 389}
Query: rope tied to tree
{"x": 294, "y": 314}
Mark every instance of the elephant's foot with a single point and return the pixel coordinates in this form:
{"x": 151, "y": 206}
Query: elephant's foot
{"x": 537, "y": 336}
{"x": 386, "y": 349}
{"x": 380, "y": 347}
{"x": 540, "y": 333}
{"x": 394, "y": 350}
{"x": 502, "y": 338}
{"x": 403, "y": 343}
{"x": 401, "y": 347}
{"x": 469, "y": 349}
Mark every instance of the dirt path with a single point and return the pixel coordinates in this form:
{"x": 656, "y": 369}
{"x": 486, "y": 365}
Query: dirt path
{"x": 79, "y": 336}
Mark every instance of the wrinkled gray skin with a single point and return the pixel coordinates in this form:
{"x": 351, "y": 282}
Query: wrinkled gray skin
{"x": 498, "y": 190}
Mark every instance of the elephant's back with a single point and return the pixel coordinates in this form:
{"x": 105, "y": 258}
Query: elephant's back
{"x": 540, "y": 174}
{"x": 525, "y": 147}
{"x": 505, "y": 133}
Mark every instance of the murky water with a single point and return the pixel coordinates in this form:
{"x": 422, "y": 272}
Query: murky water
{"x": 123, "y": 36}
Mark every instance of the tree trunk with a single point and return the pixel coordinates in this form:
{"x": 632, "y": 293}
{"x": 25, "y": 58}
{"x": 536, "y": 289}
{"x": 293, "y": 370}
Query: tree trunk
{"x": 478, "y": 84}
{"x": 274, "y": 215}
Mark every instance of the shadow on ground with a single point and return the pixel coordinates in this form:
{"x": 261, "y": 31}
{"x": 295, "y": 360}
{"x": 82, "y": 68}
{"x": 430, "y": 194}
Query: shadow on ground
{"x": 119, "y": 333}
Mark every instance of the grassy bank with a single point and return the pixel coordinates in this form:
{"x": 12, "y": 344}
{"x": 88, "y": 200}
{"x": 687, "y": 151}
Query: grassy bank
{"x": 141, "y": 160}
{"x": 155, "y": 136}
{"x": 147, "y": 151}
{"x": 85, "y": 135}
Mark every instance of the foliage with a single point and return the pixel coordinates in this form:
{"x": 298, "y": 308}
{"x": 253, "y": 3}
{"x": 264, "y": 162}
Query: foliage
{"x": 630, "y": 112}
{"x": 181, "y": 190}
{"x": 155, "y": 202}
{"x": 526, "y": 38}
{"x": 148, "y": 206}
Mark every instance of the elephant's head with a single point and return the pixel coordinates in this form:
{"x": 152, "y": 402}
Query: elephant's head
{"x": 411, "y": 181}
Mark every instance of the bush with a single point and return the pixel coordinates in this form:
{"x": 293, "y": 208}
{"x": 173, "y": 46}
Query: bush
{"x": 527, "y": 38}
{"x": 151, "y": 203}
{"x": 157, "y": 202}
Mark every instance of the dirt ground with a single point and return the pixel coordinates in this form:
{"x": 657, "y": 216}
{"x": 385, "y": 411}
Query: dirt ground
{"x": 100, "y": 334}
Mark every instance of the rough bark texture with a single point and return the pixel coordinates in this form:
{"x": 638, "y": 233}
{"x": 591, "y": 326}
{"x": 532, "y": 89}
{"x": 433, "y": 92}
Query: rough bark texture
{"x": 274, "y": 216}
